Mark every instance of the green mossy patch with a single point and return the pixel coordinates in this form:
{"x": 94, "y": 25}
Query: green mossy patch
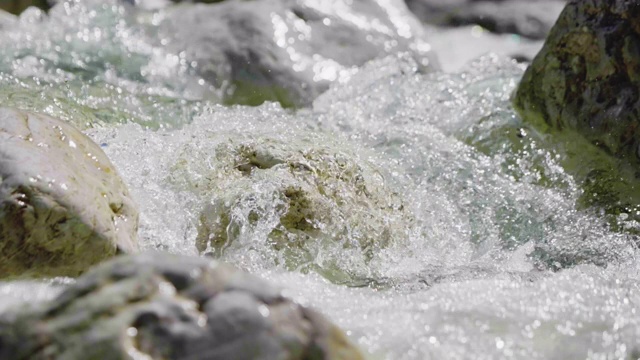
{"x": 18, "y": 6}
{"x": 583, "y": 90}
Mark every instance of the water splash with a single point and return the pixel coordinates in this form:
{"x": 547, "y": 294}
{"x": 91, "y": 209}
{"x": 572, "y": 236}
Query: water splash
{"x": 93, "y": 63}
{"x": 489, "y": 251}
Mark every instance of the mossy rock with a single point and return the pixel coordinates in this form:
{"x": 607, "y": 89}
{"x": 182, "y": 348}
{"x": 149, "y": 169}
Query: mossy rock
{"x": 63, "y": 206}
{"x": 584, "y": 88}
{"x": 586, "y": 77}
{"x": 306, "y": 199}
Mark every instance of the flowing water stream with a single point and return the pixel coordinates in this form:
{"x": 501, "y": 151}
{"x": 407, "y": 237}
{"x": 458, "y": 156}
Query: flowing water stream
{"x": 414, "y": 209}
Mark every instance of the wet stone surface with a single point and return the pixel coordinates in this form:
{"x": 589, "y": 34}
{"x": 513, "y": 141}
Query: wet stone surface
{"x": 585, "y": 81}
{"x": 586, "y": 76}
{"x": 63, "y": 206}
{"x": 162, "y": 306}
{"x": 310, "y": 195}
{"x": 289, "y": 51}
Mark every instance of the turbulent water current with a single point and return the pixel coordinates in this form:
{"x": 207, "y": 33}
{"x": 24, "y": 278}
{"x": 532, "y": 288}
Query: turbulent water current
{"x": 413, "y": 208}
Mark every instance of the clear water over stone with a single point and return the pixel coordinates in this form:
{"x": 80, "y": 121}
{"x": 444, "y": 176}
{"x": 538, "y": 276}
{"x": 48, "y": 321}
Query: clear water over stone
{"x": 92, "y": 62}
{"x": 415, "y": 210}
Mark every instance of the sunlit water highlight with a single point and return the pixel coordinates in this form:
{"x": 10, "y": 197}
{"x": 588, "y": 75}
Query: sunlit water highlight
{"x": 472, "y": 244}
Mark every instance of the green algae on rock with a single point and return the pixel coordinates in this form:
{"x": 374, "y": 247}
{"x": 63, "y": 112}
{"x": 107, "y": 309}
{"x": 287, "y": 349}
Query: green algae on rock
{"x": 586, "y": 76}
{"x": 162, "y": 306}
{"x": 309, "y": 199}
{"x": 63, "y": 207}
{"x": 584, "y": 83}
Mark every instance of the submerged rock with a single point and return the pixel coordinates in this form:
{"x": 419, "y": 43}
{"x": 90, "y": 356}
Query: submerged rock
{"x": 585, "y": 80}
{"x": 63, "y": 207}
{"x": 161, "y": 306}
{"x": 306, "y": 201}
{"x": 532, "y": 19}
{"x": 289, "y": 50}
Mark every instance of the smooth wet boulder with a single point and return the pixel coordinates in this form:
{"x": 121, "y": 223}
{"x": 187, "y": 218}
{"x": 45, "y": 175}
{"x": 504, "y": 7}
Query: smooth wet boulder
{"x": 162, "y": 306}
{"x": 289, "y": 51}
{"x": 63, "y": 206}
{"x": 529, "y": 18}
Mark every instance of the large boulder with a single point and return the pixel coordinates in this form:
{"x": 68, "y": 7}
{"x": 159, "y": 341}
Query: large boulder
{"x": 161, "y": 306}
{"x": 587, "y": 76}
{"x": 63, "y": 207}
{"x": 586, "y": 80}
{"x": 289, "y": 50}
{"x": 530, "y": 18}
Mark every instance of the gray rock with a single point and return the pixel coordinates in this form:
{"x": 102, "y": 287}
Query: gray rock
{"x": 156, "y": 4}
{"x": 63, "y": 206}
{"x": 529, "y": 18}
{"x": 161, "y": 306}
{"x": 289, "y": 50}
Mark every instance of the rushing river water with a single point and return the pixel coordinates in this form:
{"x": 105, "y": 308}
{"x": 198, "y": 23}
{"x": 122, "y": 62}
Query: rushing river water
{"x": 451, "y": 230}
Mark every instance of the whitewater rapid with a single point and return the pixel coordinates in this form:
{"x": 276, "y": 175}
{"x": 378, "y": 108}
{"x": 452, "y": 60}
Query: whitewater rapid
{"x": 486, "y": 252}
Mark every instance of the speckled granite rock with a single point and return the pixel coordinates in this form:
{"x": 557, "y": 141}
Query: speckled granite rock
{"x": 162, "y": 306}
{"x": 587, "y": 76}
{"x": 63, "y": 206}
{"x": 289, "y": 50}
{"x": 530, "y": 18}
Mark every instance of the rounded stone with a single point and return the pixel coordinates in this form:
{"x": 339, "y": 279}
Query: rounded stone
{"x": 63, "y": 207}
{"x": 310, "y": 202}
{"x": 289, "y": 51}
